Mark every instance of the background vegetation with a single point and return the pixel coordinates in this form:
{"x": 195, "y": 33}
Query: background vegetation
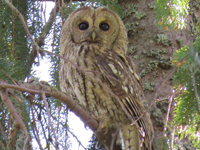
{"x": 163, "y": 42}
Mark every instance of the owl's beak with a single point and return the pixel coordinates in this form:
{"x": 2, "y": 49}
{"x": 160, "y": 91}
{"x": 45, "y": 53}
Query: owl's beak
{"x": 93, "y": 36}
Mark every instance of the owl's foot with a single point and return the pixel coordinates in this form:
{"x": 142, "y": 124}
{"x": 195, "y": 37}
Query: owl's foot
{"x": 103, "y": 127}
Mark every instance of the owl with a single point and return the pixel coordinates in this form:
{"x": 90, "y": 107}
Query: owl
{"x": 95, "y": 71}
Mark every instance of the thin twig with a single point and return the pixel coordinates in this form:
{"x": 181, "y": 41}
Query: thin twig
{"x": 17, "y": 118}
{"x": 76, "y": 139}
{"x": 49, "y": 118}
{"x": 37, "y": 137}
{"x": 2, "y": 131}
{"x": 24, "y": 24}
{"x": 170, "y": 74}
{"x": 40, "y": 41}
{"x": 25, "y": 142}
{"x": 195, "y": 54}
{"x": 2, "y": 145}
{"x": 195, "y": 88}
{"x": 8, "y": 76}
{"x": 66, "y": 132}
{"x": 21, "y": 88}
{"x": 42, "y": 122}
{"x": 172, "y": 138}
{"x": 156, "y": 101}
{"x": 7, "y": 101}
{"x": 166, "y": 120}
{"x": 114, "y": 137}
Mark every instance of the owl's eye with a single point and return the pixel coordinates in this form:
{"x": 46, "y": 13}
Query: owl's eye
{"x": 83, "y": 25}
{"x": 104, "y": 26}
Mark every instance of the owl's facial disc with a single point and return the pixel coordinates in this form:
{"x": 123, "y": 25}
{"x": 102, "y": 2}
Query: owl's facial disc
{"x": 95, "y": 26}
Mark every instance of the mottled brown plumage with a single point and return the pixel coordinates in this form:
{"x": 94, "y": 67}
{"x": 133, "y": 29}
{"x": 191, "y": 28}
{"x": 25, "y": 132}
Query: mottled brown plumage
{"x": 97, "y": 73}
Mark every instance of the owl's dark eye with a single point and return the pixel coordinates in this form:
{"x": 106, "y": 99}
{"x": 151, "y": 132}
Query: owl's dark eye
{"x": 83, "y": 25}
{"x": 104, "y": 26}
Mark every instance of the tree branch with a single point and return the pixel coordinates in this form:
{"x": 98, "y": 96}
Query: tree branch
{"x": 166, "y": 120}
{"x": 40, "y": 40}
{"x": 77, "y": 139}
{"x": 36, "y": 132}
{"x": 45, "y": 31}
{"x": 89, "y": 120}
{"x": 17, "y": 118}
{"x": 39, "y": 88}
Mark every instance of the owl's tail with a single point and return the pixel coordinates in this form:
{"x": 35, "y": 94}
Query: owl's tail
{"x": 130, "y": 139}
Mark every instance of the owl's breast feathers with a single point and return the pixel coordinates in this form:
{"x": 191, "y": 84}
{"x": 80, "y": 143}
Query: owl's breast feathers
{"x": 107, "y": 84}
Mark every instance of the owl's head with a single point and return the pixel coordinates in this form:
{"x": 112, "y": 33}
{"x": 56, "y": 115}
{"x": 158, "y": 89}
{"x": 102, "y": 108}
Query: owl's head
{"x": 95, "y": 25}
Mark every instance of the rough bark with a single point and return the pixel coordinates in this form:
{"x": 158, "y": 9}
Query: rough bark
{"x": 152, "y": 56}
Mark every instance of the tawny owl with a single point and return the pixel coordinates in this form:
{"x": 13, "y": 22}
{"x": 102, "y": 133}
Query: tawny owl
{"x": 96, "y": 71}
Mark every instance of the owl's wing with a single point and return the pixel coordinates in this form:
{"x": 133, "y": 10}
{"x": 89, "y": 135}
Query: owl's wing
{"x": 122, "y": 79}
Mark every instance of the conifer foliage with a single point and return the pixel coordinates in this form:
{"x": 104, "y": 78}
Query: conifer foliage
{"x": 34, "y": 113}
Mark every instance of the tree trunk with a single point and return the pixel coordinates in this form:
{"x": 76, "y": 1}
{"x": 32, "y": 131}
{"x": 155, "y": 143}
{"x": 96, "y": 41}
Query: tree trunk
{"x": 151, "y": 48}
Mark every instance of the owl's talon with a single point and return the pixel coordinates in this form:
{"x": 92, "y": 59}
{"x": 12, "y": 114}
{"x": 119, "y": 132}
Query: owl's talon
{"x": 105, "y": 130}
{"x": 103, "y": 127}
